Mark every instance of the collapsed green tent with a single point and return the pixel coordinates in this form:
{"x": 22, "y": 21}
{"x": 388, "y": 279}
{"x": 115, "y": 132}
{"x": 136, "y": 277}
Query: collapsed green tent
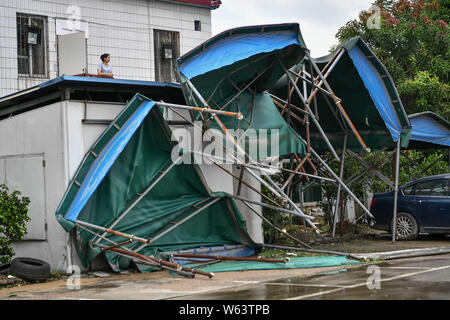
{"x": 132, "y": 181}
{"x": 368, "y": 96}
{"x": 232, "y": 70}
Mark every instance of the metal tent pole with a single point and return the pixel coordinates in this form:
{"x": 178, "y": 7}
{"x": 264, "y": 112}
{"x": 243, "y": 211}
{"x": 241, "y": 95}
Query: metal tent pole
{"x": 110, "y": 231}
{"x": 262, "y": 204}
{"x": 341, "y": 176}
{"x": 397, "y": 171}
{"x": 338, "y": 103}
{"x": 309, "y": 111}
{"x": 275, "y": 227}
{"x": 288, "y": 199}
{"x": 205, "y": 110}
{"x": 341, "y": 183}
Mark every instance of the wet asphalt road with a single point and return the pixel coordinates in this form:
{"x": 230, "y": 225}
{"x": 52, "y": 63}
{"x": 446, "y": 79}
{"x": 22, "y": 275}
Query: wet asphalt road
{"x": 406, "y": 279}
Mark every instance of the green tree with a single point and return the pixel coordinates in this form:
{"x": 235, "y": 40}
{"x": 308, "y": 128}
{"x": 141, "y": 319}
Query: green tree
{"x": 413, "y": 42}
{"x": 13, "y": 218}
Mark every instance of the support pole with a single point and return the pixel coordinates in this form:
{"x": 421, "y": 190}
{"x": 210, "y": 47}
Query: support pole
{"x": 288, "y": 200}
{"x": 262, "y": 204}
{"x": 338, "y": 103}
{"x": 275, "y": 227}
{"x": 308, "y": 109}
{"x": 110, "y": 231}
{"x": 341, "y": 183}
{"x": 341, "y": 176}
{"x": 397, "y": 170}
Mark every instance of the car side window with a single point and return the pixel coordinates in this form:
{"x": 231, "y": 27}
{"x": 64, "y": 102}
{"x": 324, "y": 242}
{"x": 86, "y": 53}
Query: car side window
{"x": 437, "y": 188}
{"x": 409, "y": 191}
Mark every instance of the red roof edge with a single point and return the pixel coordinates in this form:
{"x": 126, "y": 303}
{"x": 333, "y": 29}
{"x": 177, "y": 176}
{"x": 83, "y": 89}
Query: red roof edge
{"x": 212, "y": 4}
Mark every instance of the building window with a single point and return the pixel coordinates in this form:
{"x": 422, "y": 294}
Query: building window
{"x": 198, "y": 25}
{"x": 31, "y": 45}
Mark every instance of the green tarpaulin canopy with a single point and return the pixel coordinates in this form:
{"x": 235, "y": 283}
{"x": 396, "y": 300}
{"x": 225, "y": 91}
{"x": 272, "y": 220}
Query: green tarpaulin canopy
{"x": 231, "y": 72}
{"x": 112, "y": 188}
{"x": 368, "y": 96}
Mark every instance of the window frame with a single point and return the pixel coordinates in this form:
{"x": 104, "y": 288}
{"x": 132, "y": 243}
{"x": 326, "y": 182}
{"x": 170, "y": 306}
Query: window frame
{"x": 44, "y": 43}
{"x": 414, "y": 185}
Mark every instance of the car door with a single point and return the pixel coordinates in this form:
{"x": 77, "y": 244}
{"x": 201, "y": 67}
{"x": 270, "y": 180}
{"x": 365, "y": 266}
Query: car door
{"x": 430, "y": 203}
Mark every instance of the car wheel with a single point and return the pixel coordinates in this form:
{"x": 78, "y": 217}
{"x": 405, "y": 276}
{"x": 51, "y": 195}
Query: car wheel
{"x": 407, "y": 227}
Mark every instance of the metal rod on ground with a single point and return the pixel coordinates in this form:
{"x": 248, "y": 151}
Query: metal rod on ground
{"x": 162, "y": 262}
{"x": 341, "y": 176}
{"x": 272, "y": 246}
{"x": 205, "y": 110}
{"x": 223, "y": 258}
{"x": 152, "y": 264}
{"x": 397, "y": 169}
{"x": 205, "y": 263}
{"x": 275, "y": 227}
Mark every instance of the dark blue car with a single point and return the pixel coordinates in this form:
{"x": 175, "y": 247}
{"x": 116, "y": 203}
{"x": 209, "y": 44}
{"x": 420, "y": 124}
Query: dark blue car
{"x": 423, "y": 208}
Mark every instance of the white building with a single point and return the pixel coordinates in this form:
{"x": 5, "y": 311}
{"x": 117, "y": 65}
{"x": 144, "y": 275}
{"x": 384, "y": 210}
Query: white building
{"x": 49, "y": 119}
{"x": 143, "y": 37}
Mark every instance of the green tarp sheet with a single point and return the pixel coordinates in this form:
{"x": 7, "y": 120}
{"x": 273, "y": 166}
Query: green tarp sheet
{"x": 127, "y": 173}
{"x": 294, "y": 263}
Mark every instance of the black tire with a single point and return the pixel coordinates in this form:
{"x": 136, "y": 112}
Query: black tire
{"x": 407, "y": 227}
{"x": 4, "y": 268}
{"x": 30, "y": 269}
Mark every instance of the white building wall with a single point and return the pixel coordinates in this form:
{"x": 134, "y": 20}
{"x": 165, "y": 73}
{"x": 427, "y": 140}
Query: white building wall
{"x": 56, "y": 134}
{"x": 122, "y": 28}
{"x": 38, "y": 134}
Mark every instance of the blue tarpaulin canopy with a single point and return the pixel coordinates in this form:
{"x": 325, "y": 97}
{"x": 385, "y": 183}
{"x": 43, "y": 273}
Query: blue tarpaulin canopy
{"x": 429, "y": 130}
{"x": 232, "y": 70}
{"x": 368, "y": 96}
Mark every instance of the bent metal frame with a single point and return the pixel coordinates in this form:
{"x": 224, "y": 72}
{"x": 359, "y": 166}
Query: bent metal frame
{"x": 321, "y": 170}
{"x": 309, "y": 75}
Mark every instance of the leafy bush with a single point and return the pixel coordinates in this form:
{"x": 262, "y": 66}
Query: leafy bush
{"x": 13, "y": 218}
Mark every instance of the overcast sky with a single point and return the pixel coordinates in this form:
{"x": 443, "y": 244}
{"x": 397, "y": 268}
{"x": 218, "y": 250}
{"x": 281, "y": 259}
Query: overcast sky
{"x": 319, "y": 19}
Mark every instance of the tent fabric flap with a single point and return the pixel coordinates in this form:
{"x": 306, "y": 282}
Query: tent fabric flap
{"x": 429, "y": 128}
{"x": 134, "y": 186}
